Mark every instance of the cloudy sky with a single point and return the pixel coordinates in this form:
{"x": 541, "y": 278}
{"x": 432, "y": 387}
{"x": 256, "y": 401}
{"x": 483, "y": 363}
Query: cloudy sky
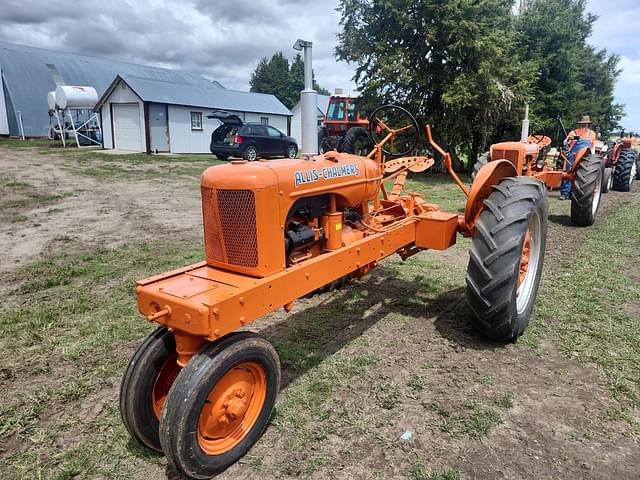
{"x": 225, "y": 39}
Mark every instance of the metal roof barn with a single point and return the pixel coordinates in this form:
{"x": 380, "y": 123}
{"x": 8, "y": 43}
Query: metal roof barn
{"x": 200, "y": 95}
{"x": 150, "y": 115}
{"x": 29, "y": 73}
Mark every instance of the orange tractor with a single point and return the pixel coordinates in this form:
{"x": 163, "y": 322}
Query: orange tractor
{"x": 621, "y": 164}
{"x": 529, "y": 158}
{"x": 201, "y": 388}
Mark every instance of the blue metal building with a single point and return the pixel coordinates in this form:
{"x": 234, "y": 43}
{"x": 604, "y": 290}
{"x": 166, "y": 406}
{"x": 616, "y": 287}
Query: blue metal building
{"x": 27, "y": 74}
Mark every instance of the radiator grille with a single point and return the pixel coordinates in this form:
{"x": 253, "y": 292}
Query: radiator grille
{"x": 230, "y": 226}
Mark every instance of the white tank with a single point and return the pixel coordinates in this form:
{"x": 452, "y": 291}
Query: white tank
{"x": 68, "y": 96}
{"x": 51, "y": 100}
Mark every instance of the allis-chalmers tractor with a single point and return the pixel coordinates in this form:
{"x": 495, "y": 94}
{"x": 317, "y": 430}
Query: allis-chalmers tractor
{"x": 528, "y": 157}
{"x": 621, "y": 164}
{"x": 200, "y": 388}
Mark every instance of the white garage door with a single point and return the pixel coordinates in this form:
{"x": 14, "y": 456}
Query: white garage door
{"x": 127, "y": 128}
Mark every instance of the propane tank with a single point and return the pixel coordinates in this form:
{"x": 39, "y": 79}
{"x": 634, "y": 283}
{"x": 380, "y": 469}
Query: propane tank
{"x": 68, "y": 96}
{"x": 51, "y": 100}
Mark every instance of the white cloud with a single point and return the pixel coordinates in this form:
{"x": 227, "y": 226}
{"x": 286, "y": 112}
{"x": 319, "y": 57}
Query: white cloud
{"x": 223, "y": 40}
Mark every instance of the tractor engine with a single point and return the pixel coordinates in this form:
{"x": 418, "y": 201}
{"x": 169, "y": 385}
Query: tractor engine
{"x": 261, "y": 217}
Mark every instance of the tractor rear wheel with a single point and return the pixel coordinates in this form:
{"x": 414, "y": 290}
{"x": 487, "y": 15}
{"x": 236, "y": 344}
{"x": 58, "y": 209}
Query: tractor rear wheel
{"x": 220, "y": 404}
{"x": 481, "y": 162}
{"x": 506, "y": 258}
{"x": 637, "y": 166}
{"x": 145, "y": 385}
{"x": 625, "y": 173}
{"x": 587, "y": 191}
{"x": 348, "y": 142}
{"x": 607, "y": 180}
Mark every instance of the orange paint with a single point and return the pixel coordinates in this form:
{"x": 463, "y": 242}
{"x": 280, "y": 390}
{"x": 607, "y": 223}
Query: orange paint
{"x": 232, "y": 408}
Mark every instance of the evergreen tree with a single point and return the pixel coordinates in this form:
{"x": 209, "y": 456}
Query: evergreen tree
{"x": 277, "y": 77}
{"x": 573, "y": 78}
{"x": 452, "y": 63}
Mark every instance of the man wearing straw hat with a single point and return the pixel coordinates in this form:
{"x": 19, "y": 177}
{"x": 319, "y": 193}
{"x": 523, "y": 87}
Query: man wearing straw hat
{"x": 581, "y": 137}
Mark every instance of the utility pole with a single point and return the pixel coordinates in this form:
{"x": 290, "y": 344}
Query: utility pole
{"x": 309, "y": 103}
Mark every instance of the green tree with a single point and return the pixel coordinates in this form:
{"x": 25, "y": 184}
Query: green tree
{"x": 573, "y": 78}
{"x": 277, "y": 77}
{"x": 454, "y": 64}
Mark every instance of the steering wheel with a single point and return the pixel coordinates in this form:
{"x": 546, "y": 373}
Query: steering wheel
{"x": 398, "y": 121}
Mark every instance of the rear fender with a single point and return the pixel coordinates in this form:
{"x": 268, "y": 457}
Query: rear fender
{"x": 489, "y": 175}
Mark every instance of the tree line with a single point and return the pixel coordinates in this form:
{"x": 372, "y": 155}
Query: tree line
{"x": 468, "y": 66}
{"x": 276, "y": 76}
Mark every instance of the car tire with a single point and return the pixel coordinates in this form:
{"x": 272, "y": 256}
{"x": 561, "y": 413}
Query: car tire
{"x": 250, "y": 153}
{"x": 292, "y": 151}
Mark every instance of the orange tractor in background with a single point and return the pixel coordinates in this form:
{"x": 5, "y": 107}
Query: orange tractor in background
{"x": 201, "y": 388}
{"x": 530, "y": 159}
{"x": 621, "y": 164}
{"x": 342, "y": 126}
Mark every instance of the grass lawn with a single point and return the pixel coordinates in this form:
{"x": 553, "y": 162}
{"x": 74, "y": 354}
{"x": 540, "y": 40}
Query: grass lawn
{"x": 361, "y": 366}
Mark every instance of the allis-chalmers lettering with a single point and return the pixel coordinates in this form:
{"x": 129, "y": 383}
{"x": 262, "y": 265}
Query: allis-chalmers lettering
{"x": 313, "y": 175}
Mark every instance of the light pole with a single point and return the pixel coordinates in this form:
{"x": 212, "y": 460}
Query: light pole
{"x": 309, "y": 102}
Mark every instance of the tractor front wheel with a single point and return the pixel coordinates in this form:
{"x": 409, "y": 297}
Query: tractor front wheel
{"x": 506, "y": 258}
{"x": 625, "y": 172}
{"x": 220, "y": 404}
{"x": 587, "y": 191}
{"x": 145, "y": 385}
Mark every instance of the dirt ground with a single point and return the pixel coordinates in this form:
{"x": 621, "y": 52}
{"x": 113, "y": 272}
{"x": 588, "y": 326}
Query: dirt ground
{"x": 383, "y": 358}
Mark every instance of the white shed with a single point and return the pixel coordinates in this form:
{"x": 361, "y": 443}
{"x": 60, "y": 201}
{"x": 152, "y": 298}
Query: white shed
{"x": 147, "y": 115}
{"x": 296, "y": 120}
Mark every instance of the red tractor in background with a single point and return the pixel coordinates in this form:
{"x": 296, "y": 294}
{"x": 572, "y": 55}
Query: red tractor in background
{"x": 621, "y": 164}
{"x": 342, "y": 126}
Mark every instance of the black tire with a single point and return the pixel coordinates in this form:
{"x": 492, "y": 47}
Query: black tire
{"x": 291, "y": 152}
{"x": 329, "y": 143}
{"x": 179, "y": 425}
{"x": 623, "y": 176}
{"x": 136, "y": 389}
{"x": 587, "y": 191}
{"x": 637, "y": 166}
{"x": 222, "y": 157}
{"x": 606, "y": 179}
{"x": 500, "y": 308}
{"x": 481, "y": 162}
{"x": 348, "y": 142}
{"x": 251, "y": 153}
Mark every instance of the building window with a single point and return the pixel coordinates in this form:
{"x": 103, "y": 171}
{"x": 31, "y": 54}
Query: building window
{"x": 264, "y": 120}
{"x": 196, "y": 120}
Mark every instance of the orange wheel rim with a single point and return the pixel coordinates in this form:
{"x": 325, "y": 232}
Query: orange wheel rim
{"x": 525, "y": 257}
{"x": 232, "y": 408}
{"x": 168, "y": 373}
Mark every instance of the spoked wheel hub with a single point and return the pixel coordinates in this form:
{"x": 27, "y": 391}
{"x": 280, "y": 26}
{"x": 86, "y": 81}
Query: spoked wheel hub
{"x": 527, "y": 273}
{"x": 232, "y": 407}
